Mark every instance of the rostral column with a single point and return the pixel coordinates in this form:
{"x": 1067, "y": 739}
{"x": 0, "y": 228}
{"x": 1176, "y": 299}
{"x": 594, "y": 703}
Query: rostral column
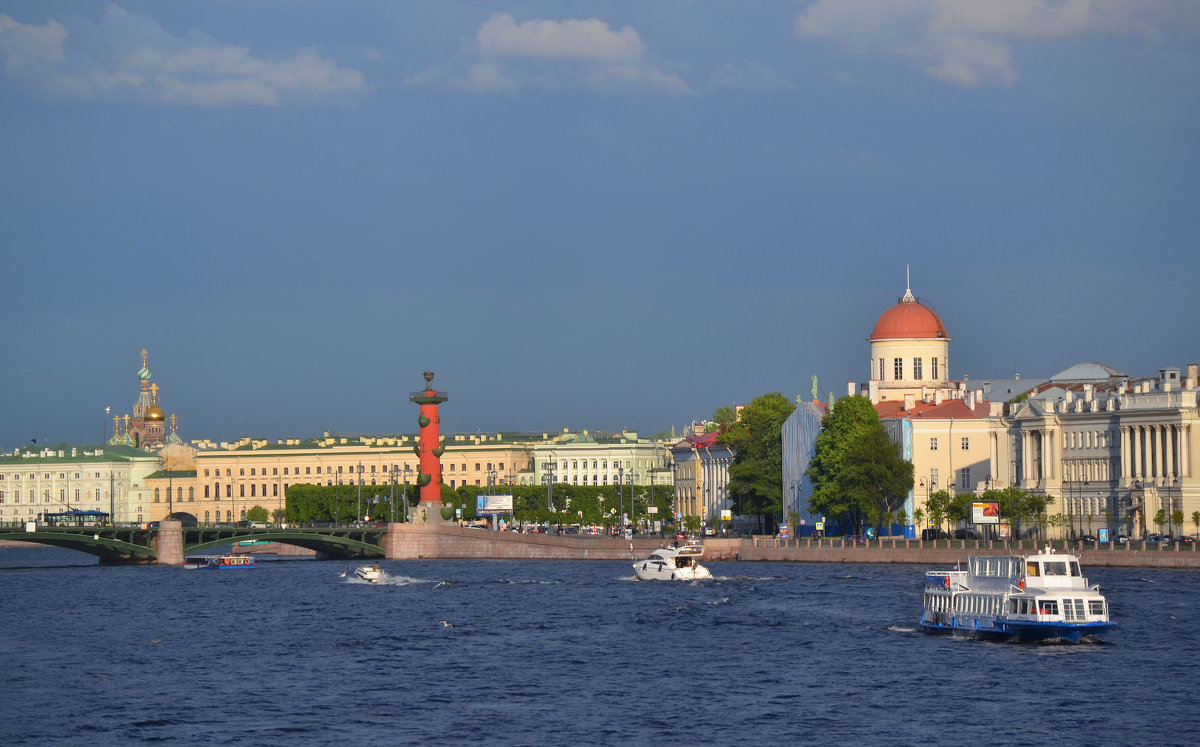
{"x": 429, "y": 448}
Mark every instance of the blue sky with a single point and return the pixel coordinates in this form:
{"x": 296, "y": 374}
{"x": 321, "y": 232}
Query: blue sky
{"x": 593, "y": 215}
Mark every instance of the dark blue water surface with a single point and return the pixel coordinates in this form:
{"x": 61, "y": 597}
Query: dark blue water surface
{"x": 540, "y": 652}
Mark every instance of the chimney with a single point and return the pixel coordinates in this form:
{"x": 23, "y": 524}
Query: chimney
{"x": 937, "y": 396}
{"x": 970, "y": 399}
{"x": 910, "y": 401}
{"x": 1087, "y": 392}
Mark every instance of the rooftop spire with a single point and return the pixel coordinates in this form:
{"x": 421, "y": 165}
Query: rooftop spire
{"x": 908, "y": 296}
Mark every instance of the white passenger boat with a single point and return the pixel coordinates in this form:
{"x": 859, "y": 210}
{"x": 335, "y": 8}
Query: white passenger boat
{"x": 369, "y": 573}
{"x": 1041, "y": 597}
{"x": 673, "y": 563}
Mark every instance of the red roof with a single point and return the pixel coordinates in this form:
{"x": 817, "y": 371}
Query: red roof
{"x": 909, "y": 319}
{"x": 950, "y": 408}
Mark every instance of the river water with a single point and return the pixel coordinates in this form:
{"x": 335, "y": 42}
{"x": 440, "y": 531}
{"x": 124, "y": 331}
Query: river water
{"x": 542, "y": 652}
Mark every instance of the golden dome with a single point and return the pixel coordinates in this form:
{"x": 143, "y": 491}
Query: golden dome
{"x": 155, "y": 413}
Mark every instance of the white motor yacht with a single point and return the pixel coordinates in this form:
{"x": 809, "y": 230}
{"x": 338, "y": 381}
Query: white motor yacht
{"x": 673, "y": 563}
{"x": 369, "y": 573}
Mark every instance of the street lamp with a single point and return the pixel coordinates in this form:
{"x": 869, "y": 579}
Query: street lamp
{"x": 620, "y": 489}
{"x": 548, "y": 467}
{"x": 360, "y": 484}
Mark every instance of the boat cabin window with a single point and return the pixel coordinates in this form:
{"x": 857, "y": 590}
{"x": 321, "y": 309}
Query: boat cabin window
{"x": 1096, "y": 606}
{"x": 1050, "y": 607}
{"x": 1031, "y": 569}
{"x": 1075, "y": 569}
{"x": 1055, "y": 568}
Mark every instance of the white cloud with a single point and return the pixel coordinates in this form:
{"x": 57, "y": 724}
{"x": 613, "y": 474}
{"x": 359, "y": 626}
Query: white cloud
{"x": 130, "y": 55}
{"x": 485, "y": 78}
{"x": 24, "y": 45}
{"x": 969, "y": 42}
{"x": 550, "y": 55}
{"x": 747, "y": 76}
{"x": 572, "y": 39}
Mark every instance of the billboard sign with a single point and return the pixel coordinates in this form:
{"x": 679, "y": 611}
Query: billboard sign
{"x": 493, "y": 505}
{"x": 985, "y": 512}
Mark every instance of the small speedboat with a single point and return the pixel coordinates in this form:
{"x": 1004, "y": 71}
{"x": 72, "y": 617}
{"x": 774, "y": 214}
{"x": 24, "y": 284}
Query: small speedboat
{"x": 673, "y": 563}
{"x": 369, "y": 573}
{"x": 216, "y": 562}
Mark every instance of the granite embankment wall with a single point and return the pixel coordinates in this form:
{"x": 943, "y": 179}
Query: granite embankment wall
{"x": 948, "y": 552}
{"x": 412, "y": 542}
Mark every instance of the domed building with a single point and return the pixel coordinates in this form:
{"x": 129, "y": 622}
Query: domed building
{"x": 146, "y": 428}
{"x": 910, "y": 353}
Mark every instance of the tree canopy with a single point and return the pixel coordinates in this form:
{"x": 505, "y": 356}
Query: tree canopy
{"x": 857, "y": 472}
{"x": 756, "y": 475}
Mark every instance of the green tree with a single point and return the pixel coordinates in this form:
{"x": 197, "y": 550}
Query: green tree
{"x": 1017, "y": 506}
{"x": 849, "y": 419}
{"x": 958, "y": 509}
{"x": 1196, "y": 521}
{"x": 1177, "y": 519}
{"x": 1160, "y": 518}
{"x": 875, "y": 478}
{"x": 936, "y": 503}
{"x": 919, "y": 518}
{"x": 725, "y": 417}
{"x": 257, "y": 513}
{"x": 279, "y": 516}
{"x": 756, "y": 475}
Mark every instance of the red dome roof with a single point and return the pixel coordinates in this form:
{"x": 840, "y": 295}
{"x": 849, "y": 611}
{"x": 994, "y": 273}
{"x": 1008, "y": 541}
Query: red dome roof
{"x": 907, "y": 320}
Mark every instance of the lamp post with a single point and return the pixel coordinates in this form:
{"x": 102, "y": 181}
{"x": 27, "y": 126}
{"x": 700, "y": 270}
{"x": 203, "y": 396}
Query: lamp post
{"x": 620, "y": 490}
{"x": 548, "y": 467}
{"x": 336, "y": 508}
{"x": 632, "y": 478}
{"x": 407, "y": 471}
{"x": 358, "y": 517}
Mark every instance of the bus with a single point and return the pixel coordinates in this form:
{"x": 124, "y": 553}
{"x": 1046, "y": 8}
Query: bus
{"x": 74, "y": 518}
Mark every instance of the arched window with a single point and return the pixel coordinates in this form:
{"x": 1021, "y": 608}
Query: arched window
{"x": 205, "y": 517}
{"x": 156, "y": 495}
{"x": 228, "y": 515}
{"x": 191, "y": 494}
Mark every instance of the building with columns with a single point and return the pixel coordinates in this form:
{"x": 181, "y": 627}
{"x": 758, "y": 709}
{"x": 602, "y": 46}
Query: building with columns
{"x": 112, "y": 479}
{"x": 1108, "y": 450}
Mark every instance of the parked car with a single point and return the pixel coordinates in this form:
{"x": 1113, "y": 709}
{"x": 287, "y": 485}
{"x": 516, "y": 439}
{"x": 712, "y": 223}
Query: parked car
{"x": 1087, "y": 538}
{"x": 1187, "y": 540}
{"x": 932, "y": 534}
{"x": 965, "y": 534}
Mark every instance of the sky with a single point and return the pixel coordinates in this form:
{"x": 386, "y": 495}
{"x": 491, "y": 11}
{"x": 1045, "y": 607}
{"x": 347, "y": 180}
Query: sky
{"x": 586, "y": 215}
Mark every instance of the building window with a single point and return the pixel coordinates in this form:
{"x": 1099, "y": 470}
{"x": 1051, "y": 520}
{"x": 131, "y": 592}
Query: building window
{"x": 933, "y": 444}
{"x": 308, "y": 470}
{"x": 477, "y": 469}
{"x": 917, "y": 368}
{"x": 252, "y": 490}
{"x": 156, "y": 495}
{"x": 933, "y": 479}
{"x": 933, "y": 368}
{"x": 500, "y": 466}
{"x": 318, "y": 469}
{"x": 898, "y": 368}
{"x": 275, "y": 470}
{"x": 275, "y": 490}
{"x": 966, "y": 444}
{"x": 251, "y": 470}
{"x": 191, "y": 494}
{"x": 242, "y": 471}
{"x": 229, "y": 491}
{"x": 881, "y": 369}
{"x": 964, "y": 482}
{"x": 206, "y": 494}
{"x": 241, "y": 491}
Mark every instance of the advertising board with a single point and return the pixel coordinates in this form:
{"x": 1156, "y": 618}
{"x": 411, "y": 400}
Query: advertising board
{"x": 985, "y": 512}
{"x": 493, "y": 505}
